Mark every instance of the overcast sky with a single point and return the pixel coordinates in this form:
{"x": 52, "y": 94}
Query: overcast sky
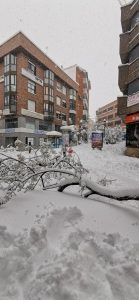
{"x": 83, "y": 32}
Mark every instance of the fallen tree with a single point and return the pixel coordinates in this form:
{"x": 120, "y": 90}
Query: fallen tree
{"x": 95, "y": 188}
{"x": 47, "y": 169}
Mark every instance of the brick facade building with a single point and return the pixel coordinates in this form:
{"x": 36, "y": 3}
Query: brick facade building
{"x": 36, "y": 95}
{"x": 128, "y": 104}
{"x": 107, "y": 115}
{"x": 80, "y": 75}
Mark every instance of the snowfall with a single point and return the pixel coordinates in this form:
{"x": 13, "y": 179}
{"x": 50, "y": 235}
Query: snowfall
{"x": 61, "y": 246}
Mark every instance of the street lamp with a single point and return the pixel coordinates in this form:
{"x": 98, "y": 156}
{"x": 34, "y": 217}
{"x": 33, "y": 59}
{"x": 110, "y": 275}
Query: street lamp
{"x": 104, "y": 124}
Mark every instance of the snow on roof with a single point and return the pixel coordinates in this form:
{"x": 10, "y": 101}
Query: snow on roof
{"x": 53, "y": 133}
{"x": 66, "y": 128}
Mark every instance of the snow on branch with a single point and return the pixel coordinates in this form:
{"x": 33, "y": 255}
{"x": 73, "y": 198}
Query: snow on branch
{"x": 47, "y": 169}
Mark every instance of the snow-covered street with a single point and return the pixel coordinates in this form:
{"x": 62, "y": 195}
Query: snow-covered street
{"x": 60, "y": 246}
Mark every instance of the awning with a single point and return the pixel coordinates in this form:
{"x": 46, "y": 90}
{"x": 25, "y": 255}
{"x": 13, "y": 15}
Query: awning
{"x": 54, "y": 133}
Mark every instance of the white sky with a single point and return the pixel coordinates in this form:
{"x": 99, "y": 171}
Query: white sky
{"x": 83, "y": 32}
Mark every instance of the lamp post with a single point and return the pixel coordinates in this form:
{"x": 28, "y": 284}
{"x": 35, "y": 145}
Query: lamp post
{"x": 104, "y": 123}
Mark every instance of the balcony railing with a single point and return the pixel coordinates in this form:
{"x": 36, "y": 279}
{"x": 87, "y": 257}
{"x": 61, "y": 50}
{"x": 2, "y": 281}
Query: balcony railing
{"x": 122, "y": 105}
{"x": 48, "y": 117}
{"x": 128, "y": 73}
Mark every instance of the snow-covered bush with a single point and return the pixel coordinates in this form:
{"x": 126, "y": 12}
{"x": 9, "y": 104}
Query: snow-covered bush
{"x": 113, "y": 135}
{"x": 44, "y": 169}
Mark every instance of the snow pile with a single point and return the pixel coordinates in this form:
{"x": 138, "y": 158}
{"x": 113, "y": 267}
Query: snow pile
{"x": 59, "y": 261}
{"x": 59, "y": 246}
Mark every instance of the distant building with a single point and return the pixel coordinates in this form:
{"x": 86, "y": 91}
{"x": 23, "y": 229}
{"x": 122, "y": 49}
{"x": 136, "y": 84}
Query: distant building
{"x": 128, "y": 104}
{"x": 107, "y": 115}
{"x": 81, "y": 111}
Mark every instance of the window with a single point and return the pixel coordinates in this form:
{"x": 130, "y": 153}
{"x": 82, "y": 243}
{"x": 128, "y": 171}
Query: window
{"x": 135, "y": 19}
{"x": 29, "y": 140}
{"x": 110, "y": 117}
{"x": 31, "y": 87}
{"x": 49, "y": 77}
{"x": 30, "y": 124}
{"x": 58, "y": 115}
{"x": 72, "y": 104}
{"x": 110, "y": 108}
{"x": 64, "y": 90}
{"x": 51, "y": 108}
{"x": 45, "y": 106}
{"x": 13, "y": 83}
{"x": 48, "y": 93}
{"x": 72, "y": 117}
{"x": 133, "y": 87}
{"x": 43, "y": 126}
{"x": 6, "y": 101}
{"x": 60, "y": 87}
{"x": 63, "y": 117}
{"x": 72, "y": 94}
{"x": 6, "y": 83}
{"x": 58, "y": 100}
{"x": 9, "y": 63}
{"x": 48, "y": 107}
{"x": 11, "y": 123}
{"x": 31, "y": 105}
{"x": 13, "y": 62}
{"x": 31, "y": 67}
{"x": 64, "y": 103}
{"x": 12, "y": 103}
{"x": 134, "y": 54}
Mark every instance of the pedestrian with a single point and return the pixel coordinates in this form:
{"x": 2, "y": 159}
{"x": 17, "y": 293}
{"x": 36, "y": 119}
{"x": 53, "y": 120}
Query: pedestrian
{"x": 29, "y": 147}
{"x": 64, "y": 150}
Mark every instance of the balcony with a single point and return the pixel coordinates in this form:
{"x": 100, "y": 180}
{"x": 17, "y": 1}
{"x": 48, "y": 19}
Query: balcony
{"x": 127, "y": 12}
{"x": 134, "y": 37}
{"x": 124, "y": 41}
{"x": 6, "y": 111}
{"x": 125, "y": 16}
{"x": 128, "y": 41}
{"x": 31, "y": 76}
{"x": 133, "y": 70}
{"x": 48, "y": 117}
{"x": 128, "y": 73}
{"x": 123, "y": 76}
{"x": 31, "y": 114}
{"x": 122, "y": 106}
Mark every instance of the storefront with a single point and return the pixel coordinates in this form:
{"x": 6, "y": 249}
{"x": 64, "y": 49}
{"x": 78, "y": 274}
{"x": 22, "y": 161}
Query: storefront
{"x": 132, "y": 134}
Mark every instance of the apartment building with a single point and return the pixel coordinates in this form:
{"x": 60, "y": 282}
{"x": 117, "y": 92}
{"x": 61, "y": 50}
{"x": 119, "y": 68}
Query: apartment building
{"x": 128, "y": 104}
{"x": 36, "y": 95}
{"x": 107, "y": 115}
{"x": 80, "y": 113}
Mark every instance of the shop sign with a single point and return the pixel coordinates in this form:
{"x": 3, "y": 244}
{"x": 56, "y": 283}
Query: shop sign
{"x": 132, "y": 118}
{"x": 97, "y": 139}
{"x": 133, "y": 100}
